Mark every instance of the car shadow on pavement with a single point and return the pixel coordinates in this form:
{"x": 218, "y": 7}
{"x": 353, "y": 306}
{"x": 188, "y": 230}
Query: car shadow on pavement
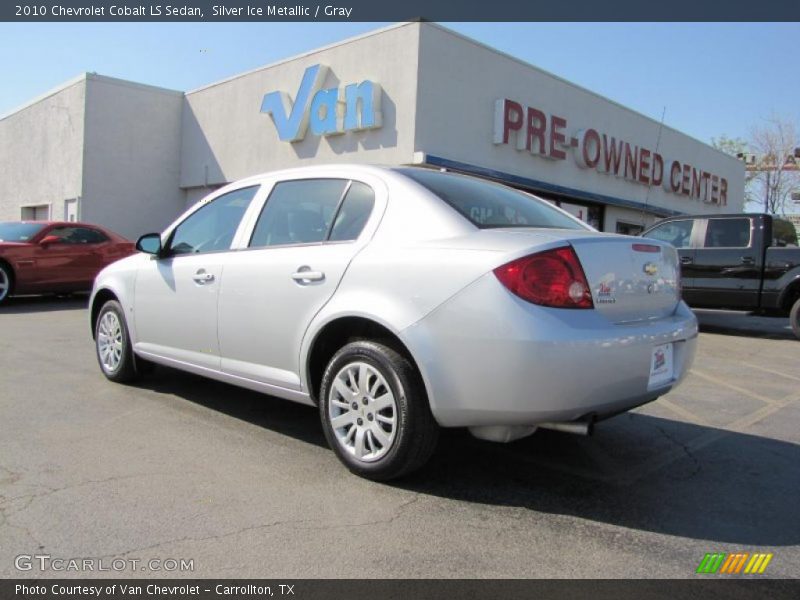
{"x": 288, "y": 418}
{"x": 38, "y": 304}
{"x": 642, "y": 472}
{"x": 637, "y": 471}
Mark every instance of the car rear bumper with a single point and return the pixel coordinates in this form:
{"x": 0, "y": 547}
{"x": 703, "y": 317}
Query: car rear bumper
{"x": 490, "y": 358}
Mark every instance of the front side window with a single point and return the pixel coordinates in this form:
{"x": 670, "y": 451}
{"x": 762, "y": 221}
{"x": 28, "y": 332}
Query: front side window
{"x": 677, "y": 233}
{"x": 727, "y": 233}
{"x": 77, "y": 235}
{"x": 86, "y": 235}
{"x": 298, "y": 212}
{"x": 490, "y": 205}
{"x": 212, "y": 227}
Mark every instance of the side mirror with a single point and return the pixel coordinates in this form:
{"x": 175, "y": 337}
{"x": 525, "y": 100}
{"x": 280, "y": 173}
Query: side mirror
{"x": 149, "y": 243}
{"x": 49, "y": 239}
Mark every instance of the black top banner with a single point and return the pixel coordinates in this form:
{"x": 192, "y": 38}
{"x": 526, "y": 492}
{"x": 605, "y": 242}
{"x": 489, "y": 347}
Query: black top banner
{"x": 399, "y": 10}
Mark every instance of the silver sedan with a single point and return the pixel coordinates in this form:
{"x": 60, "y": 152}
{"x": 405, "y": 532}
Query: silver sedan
{"x": 398, "y": 301}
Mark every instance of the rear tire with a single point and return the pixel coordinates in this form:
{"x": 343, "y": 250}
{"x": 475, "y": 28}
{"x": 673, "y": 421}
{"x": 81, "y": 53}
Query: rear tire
{"x": 375, "y": 412}
{"x": 794, "y": 318}
{"x": 113, "y": 344}
{"x": 6, "y": 282}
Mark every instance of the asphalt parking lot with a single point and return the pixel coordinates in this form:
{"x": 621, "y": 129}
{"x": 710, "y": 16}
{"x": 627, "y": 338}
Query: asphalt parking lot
{"x": 242, "y": 484}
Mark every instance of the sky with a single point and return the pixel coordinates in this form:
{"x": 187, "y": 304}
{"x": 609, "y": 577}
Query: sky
{"x": 707, "y": 79}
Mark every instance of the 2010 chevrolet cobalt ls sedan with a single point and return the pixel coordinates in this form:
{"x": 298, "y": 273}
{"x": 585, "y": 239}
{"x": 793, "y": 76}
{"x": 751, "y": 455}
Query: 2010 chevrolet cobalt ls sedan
{"x": 401, "y": 300}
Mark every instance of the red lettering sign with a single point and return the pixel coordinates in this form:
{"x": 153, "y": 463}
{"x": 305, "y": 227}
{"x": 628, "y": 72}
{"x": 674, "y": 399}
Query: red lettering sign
{"x": 557, "y": 137}
{"x": 533, "y": 130}
{"x": 537, "y": 126}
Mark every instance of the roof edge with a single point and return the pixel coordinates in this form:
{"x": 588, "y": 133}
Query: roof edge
{"x": 573, "y": 84}
{"x": 51, "y": 92}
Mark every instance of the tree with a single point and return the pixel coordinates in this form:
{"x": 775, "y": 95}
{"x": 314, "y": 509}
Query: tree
{"x": 776, "y": 171}
{"x": 773, "y": 169}
{"x": 737, "y": 147}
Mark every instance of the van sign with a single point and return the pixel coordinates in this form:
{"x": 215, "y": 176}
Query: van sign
{"x": 329, "y": 111}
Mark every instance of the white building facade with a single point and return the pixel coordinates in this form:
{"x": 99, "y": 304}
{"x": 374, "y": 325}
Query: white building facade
{"x": 132, "y": 157}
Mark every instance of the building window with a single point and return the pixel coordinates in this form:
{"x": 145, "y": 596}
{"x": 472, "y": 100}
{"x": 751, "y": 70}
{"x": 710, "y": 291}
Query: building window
{"x": 39, "y": 212}
{"x": 593, "y": 215}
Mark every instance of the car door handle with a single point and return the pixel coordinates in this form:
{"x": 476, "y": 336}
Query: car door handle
{"x": 306, "y": 274}
{"x": 686, "y": 260}
{"x": 748, "y": 260}
{"x": 202, "y": 277}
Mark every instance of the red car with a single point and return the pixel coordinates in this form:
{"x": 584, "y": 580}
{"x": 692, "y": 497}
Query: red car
{"x": 48, "y": 256}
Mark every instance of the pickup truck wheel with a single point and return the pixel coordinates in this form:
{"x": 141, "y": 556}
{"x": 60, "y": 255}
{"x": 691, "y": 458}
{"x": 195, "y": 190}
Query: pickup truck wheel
{"x": 113, "y": 344}
{"x": 375, "y": 412}
{"x": 794, "y": 318}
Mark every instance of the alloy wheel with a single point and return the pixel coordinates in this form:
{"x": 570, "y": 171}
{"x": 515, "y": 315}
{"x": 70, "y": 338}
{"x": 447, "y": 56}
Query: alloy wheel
{"x": 362, "y": 411}
{"x": 109, "y": 341}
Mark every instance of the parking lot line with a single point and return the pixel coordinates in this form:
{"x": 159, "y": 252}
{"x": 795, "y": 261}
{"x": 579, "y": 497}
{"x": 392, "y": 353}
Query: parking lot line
{"x": 682, "y": 412}
{"x": 739, "y": 426}
{"x": 734, "y": 387}
{"x": 773, "y": 371}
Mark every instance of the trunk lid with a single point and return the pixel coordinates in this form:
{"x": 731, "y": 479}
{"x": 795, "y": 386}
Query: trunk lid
{"x": 631, "y": 279}
{"x": 627, "y": 284}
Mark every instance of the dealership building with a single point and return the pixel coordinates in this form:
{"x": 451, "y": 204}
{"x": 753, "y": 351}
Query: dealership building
{"x": 132, "y": 156}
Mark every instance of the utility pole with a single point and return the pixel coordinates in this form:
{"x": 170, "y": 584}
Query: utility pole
{"x": 766, "y": 193}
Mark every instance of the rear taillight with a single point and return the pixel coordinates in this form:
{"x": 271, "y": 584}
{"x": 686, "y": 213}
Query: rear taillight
{"x": 551, "y": 278}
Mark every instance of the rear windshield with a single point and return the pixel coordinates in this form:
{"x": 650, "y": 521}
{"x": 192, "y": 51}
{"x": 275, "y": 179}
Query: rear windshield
{"x": 489, "y": 205}
{"x": 19, "y": 232}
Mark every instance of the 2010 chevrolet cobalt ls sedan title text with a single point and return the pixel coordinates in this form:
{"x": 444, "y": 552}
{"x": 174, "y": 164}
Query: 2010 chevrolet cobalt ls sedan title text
{"x": 401, "y": 300}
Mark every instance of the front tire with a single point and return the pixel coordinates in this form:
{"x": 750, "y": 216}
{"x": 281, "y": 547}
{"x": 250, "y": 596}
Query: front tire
{"x": 6, "y": 282}
{"x": 113, "y": 344}
{"x": 794, "y": 318}
{"x": 375, "y": 412}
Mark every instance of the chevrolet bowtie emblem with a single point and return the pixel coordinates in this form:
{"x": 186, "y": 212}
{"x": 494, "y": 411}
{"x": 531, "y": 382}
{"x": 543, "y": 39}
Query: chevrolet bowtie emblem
{"x": 650, "y": 268}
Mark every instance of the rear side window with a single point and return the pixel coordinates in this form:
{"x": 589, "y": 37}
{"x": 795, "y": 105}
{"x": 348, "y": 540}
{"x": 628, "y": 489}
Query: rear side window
{"x": 677, "y": 233}
{"x": 490, "y": 205}
{"x": 353, "y": 213}
{"x": 783, "y": 233}
{"x": 298, "y": 212}
{"x": 727, "y": 233}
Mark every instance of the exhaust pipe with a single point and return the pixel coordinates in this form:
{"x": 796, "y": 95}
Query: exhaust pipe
{"x": 576, "y": 427}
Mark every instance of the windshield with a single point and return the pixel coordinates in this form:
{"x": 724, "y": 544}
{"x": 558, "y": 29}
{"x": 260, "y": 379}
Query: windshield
{"x": 19, "y": 232}
{"x": 490, "y": 205}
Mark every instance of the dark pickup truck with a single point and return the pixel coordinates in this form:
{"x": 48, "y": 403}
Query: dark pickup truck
{"x": 745, "y": 262}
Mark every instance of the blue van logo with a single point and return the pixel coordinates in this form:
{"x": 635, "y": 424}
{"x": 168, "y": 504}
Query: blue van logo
{"x": 330, "y": 111}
